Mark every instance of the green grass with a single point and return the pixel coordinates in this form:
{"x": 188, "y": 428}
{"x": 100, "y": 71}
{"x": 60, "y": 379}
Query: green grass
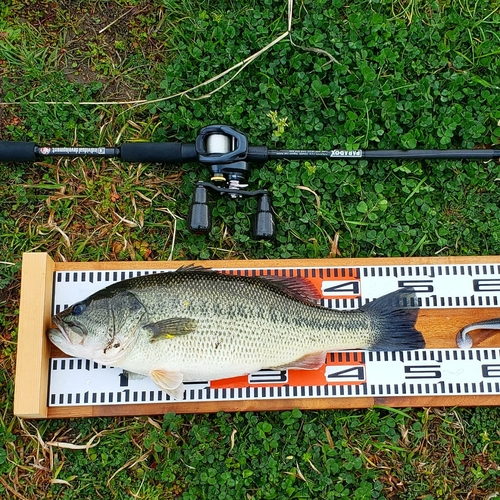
{"x": 371, "y": 74}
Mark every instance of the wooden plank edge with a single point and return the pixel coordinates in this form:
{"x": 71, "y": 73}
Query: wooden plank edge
{"x": 278, "y": 263}
{"x": 32, "y": 362}
{"x": 271, "y": 405}
{"x": 206, "y": 407}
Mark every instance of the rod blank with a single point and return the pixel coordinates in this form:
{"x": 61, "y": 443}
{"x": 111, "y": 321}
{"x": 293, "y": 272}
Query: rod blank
{"x": 387, "y": 154}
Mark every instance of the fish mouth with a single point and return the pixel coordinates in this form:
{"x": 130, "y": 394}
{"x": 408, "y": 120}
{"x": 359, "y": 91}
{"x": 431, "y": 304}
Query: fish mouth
{"x": 64, "y": 328}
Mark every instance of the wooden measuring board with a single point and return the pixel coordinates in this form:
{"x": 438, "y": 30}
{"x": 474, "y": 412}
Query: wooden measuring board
{"x": 451, "y": 293}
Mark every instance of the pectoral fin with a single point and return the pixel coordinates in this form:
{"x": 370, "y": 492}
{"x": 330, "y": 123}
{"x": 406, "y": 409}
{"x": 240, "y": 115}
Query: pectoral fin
{"x": 170, "y": 382}
{"x": 308, "y": 362}
{"x": 170, "y": 328}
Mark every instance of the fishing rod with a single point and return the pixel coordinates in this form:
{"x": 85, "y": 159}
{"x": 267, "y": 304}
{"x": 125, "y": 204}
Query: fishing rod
{"x": 227, "y": 153}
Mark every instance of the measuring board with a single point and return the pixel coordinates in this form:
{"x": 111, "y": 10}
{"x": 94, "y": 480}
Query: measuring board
{"x": 450, "y": 292}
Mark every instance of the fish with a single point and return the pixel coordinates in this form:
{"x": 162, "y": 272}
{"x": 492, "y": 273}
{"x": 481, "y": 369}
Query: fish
{"x": 195, "y": 324}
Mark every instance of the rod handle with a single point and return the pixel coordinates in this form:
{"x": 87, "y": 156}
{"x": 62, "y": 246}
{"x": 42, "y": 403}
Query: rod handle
{"x": 158, "y": 152}
{"x": 17, "y": 151}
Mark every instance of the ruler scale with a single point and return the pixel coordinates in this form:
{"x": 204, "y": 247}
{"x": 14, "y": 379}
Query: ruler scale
{"x": 432, "y": 372}
{"x": 357, "y": 374}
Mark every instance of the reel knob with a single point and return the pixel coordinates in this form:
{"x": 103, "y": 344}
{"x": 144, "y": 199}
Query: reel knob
{"x": 200, "y": 216}
{"x": 264, "y": 227}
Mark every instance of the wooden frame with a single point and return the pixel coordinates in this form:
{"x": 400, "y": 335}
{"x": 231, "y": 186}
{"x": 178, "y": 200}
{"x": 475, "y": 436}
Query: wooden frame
{"x": 35, "y": 350}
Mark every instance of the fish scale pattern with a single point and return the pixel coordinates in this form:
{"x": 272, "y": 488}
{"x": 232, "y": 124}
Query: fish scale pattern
{"x": 243, "y": 324}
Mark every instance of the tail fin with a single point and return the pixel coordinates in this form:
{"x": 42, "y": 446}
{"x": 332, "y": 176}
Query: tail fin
{"x": 394, "y": 316}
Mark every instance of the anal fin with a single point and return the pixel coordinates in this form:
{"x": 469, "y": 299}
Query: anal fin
{"x": 307, "y": 362}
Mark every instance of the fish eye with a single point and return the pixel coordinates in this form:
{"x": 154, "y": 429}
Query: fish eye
{"x": 78, "y": 309}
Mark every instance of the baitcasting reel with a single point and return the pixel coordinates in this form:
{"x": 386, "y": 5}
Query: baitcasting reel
{"x": 225, "y": 151}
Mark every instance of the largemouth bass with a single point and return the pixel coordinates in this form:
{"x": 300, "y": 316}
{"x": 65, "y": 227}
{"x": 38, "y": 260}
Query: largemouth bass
{"x": 195, "y": 324}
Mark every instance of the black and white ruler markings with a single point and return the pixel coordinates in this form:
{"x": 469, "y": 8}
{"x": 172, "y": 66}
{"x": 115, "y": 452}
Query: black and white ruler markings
{"x": 427, "y": 372}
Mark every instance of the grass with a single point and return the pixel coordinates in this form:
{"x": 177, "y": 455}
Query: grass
{"x": 370, "y": 74}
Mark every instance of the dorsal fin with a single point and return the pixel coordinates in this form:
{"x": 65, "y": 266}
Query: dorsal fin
{"x": 193, "y": 268}
{"x": 297, "y": 287}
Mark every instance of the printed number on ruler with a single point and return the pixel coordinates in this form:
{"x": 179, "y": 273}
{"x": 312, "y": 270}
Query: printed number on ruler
{"x": 437, "y": 286}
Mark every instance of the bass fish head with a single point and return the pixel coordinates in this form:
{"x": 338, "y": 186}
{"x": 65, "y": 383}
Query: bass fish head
{"x": 100, "y": 328}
